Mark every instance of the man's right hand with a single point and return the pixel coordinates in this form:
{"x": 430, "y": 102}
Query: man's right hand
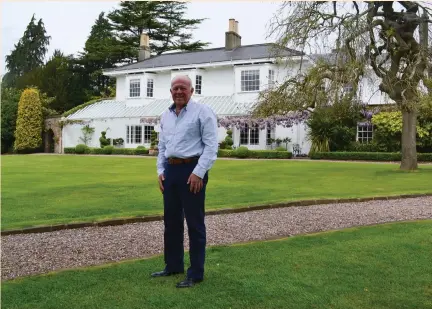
{"x": 161, "y": 178}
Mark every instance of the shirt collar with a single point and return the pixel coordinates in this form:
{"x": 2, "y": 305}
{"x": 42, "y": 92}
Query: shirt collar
{"x": 172, "y": 106}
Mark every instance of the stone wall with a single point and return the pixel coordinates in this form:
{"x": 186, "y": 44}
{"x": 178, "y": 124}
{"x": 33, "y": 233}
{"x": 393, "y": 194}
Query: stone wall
{"x": 52, "y": 127}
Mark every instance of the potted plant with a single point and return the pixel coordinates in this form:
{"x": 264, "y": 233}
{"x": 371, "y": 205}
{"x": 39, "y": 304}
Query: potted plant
{"x": 153, "y": 144}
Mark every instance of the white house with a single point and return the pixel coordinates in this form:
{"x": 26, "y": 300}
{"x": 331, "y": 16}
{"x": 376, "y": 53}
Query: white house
{"x": 228, "y": 79}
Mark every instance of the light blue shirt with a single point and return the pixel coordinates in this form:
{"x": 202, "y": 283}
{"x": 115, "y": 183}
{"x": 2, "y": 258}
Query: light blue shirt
{"x": 194, "y": 132}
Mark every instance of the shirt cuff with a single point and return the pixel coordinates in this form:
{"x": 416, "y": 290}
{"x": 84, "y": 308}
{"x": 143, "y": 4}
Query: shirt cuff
{"x": 199, "y": 171}
{"x": 160, "y": 171}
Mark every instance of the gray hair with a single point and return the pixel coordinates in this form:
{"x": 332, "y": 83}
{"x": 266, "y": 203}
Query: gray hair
{"x": 182, "y": 77}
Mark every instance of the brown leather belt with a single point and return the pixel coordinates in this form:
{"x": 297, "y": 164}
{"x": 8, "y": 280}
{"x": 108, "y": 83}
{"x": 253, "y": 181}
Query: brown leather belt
{"x": 182, "y": 161}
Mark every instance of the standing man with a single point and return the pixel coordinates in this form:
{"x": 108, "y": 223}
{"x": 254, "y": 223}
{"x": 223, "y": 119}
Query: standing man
{"x": 188, "y": 145}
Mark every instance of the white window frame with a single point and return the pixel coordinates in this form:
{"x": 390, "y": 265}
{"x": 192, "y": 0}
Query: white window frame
{"x": 131, "y": 134}
{"x": 271, "y": 78}
{"x": 198, "y": 84}
{"x": 145, "y": 129}
{"x": 363, "y": 128}
{"x": 249, "y": 135}
{"x": 248, "y": 80}
{"x": 150, "y": 87}
{"x": 134, "y": 81}
{"x": 272, "y": 133}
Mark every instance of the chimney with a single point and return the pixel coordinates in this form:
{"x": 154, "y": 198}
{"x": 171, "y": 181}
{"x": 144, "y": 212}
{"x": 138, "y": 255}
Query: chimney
{"x": 232, "y": 37}
{"x": 144, "y": 48}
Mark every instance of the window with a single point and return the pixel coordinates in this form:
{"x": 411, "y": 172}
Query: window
{"x": 134, "y": 134}
{"x": 198, "y": 84}
{"x": 134, "y": 88}
{"x": 271, "y": 76}
{"x": 150, "y": 88}
{"x": 270, "y": 135}
{"x": 364, "y": 132}
{"x": 249, "y": 136}
{"x": 250, "y": 80}
{"x": 147, "y": 134}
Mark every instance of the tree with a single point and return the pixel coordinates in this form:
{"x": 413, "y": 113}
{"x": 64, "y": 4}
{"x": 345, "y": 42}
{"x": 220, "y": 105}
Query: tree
{"x": 163, "y": 21}
{"x": 29, "y": 125}
{"x": 9, "y": 108}
{"x": 382, "y": 35}
{"x": 102, "y": 50}
{"x": 29, "y": 52}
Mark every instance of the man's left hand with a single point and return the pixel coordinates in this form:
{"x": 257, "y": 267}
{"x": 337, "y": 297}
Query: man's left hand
{"x": 195, "y": 183}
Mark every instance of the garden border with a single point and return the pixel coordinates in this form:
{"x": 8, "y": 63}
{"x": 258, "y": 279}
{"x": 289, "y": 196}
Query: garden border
{"x": 150, "y": 218}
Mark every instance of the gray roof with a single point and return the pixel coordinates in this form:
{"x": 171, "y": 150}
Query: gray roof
{"x": 221, "y": 105}
{"x": 210, "y": 56}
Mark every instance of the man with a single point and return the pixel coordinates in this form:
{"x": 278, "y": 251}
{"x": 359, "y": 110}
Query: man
{"x": 188, "y": 145}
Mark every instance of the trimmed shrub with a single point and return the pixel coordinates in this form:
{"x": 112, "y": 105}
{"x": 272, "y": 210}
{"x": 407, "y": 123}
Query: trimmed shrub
{"x": 241, "y": 152}
{"x": 69, "y": 150}
{"x": 82, "y": 149}
{"x": 256, "y": 154}
{"x": 371, "y": 147}
{"x": 367, "y": 156}
{"x": 280, "y": 148}
{"x": 108, "y": 149}
{"x": 141, "y": 150}
{"x": 29, "y": 124}
{"x": 103, "y": 140}
{"x": 228, "y": 140}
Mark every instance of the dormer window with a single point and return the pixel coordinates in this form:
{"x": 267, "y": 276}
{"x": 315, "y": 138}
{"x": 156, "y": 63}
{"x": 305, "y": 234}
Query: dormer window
{"x": 135, "y": 88}
{"x": 198, "y": 84}
{"x": 150, "y": 88}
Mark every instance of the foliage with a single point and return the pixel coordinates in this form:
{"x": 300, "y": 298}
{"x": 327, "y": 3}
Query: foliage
{"x": 103, "y": 140}
{"x": 228, "y": 140}
{"x": 379, "y": 35}
{"x": 118, "y": 141}
{"x": 388, "y": 130}
{"x": 366, "y": 147}
{"x": 333, "y": 127}
{"x": 153, "y": 140}
{"x": 9, "y": 109}
{"x": 87, "y": 134}
{"x": 164, "y": 22}
{"x": 29, "y": 124}
{"x": 256, "y": 154}
{"x": 241, "y": 152}
{"x": 28, "y": 54}
{"x": 280, "y": 148}
{"x": 108, "y": 149}
{"x": 81, "y": 149}
{"x": 367, "y": 156}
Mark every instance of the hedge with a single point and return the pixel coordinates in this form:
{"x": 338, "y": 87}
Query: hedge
{"x": 108, "y": 150}
{"x": 256, "y": 154}
{"x": 367, "y": 156}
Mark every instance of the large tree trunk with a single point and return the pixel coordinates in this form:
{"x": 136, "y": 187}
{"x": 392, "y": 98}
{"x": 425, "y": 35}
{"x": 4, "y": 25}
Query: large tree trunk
{"x": 409, "y": 151}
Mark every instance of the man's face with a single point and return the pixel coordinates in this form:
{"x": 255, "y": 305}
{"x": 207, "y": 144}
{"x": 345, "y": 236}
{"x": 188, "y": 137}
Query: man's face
{"x": 181, "y": 91}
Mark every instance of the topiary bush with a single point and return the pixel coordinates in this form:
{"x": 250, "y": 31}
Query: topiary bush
{"x": 29, "y": 124}
{"x": 103, "y": 140}
{"x": 241, "y": 152}
{"x": 82, "y": 149}
{"x": 228, "y": 140}
{"x": 280, "y": 148}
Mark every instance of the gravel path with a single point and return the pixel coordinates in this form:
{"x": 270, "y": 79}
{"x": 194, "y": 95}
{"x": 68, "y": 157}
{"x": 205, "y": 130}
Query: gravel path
{"x": 29, "y": 254}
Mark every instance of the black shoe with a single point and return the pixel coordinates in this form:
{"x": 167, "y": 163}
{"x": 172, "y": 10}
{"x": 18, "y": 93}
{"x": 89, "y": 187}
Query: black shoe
{"x": 165, "y": 273}
{"x": 188, "y": 283}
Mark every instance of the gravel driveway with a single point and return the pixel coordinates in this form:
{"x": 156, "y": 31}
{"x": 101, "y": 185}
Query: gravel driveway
{"x": 30, "y": 254}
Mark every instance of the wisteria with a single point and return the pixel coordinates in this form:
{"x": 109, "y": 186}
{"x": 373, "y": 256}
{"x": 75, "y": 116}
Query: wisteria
{"x": 243, "y": 122}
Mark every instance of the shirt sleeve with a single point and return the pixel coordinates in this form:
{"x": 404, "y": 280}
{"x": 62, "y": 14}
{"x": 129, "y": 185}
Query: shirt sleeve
{"x": 161, "y": 159}
{"x": 209, "y": 133}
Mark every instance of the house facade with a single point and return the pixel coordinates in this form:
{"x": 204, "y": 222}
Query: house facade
{"x": 228, "y": 79}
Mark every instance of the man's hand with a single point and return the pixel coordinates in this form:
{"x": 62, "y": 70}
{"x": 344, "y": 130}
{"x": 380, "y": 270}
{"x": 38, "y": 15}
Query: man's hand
{"x": 195, "y": 183}
{"x": 161, "y": 178}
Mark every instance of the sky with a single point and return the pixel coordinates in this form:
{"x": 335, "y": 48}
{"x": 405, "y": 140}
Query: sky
{"x": 69, "y": 22}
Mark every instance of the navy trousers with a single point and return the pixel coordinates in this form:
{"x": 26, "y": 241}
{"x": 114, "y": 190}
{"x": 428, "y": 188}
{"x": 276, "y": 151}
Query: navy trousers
{"x": 179, "y": 202}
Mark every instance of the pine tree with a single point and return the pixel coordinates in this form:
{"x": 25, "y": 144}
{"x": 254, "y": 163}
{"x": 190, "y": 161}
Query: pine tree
{"x": 163, "y": 21}
{"x": 29, "y": 52}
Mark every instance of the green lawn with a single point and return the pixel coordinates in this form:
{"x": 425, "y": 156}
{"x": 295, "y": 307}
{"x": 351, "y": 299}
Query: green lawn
{"x": 40, "y": 190}
{"x": 386, "y": 266}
